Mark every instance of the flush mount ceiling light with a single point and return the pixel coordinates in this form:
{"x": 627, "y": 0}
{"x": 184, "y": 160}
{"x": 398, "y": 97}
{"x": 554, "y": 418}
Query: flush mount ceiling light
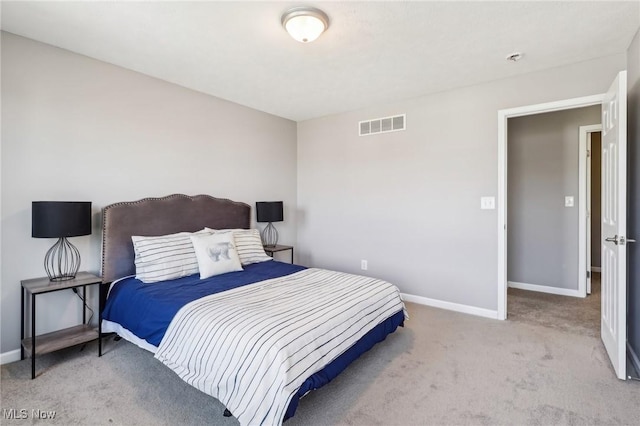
{"x": 305, "y": 24}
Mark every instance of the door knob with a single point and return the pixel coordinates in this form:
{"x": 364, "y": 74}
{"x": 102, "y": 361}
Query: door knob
{"x": 620, "y": 241}
{"x": 613, "y": 239}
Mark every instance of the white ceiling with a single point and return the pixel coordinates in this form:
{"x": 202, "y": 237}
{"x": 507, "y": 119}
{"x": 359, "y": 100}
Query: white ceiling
{"x": 372, "y": 52}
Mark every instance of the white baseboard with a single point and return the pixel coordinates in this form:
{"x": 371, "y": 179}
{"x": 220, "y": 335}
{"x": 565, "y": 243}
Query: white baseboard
{"x": 635, "y": 360}
{"x": 545, "y": 289}
{"x": 595, "y": 269}
{"x": 450, "y": 306}
{"x": 11, "y": 356}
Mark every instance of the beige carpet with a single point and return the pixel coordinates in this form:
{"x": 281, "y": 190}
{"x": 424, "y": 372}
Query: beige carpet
{"x": 443, "y": 368}
{"x": 571, "y": 314}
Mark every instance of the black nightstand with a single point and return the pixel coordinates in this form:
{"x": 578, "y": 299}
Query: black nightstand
{"x": 49, "y": 342}
{"x": 273, "y": 249}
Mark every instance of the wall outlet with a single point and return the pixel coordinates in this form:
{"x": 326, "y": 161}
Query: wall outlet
{"x": 364, "y": 265}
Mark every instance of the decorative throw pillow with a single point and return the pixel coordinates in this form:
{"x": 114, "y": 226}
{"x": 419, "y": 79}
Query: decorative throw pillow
{"x": 248, "y": 244}
{"x": 216, "y": 254}
{"x": 165, "y": 257}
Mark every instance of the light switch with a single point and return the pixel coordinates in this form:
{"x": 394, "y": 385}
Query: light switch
{"x": 487, "y": 203}
{"x": 568, "y": 201}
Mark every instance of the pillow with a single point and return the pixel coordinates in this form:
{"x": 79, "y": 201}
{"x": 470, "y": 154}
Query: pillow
{"x": 165, "y": 257}
{"x": 248, "y": 244}
{"x": 216, "y": 254}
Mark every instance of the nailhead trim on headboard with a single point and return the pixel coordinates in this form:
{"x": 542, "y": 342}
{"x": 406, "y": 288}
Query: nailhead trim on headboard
{"x": 160, "y": 216}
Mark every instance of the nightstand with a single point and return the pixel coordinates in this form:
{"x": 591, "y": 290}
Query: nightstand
{"x": 49, "y": 342}
{"x": 273, "y": 249}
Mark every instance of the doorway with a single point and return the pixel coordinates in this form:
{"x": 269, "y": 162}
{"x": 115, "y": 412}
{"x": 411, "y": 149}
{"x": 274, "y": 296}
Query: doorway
{"x": 614, "y": 211}
{"x": 549, "y": 158}
{"x": 547, "y": 211}
{"x": 591, "y": 192}
{"x": 503, "y": 117}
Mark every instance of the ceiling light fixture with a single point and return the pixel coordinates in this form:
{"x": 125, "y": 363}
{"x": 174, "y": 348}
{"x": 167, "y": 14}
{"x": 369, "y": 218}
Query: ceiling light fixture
{"x": 305, "y": 24}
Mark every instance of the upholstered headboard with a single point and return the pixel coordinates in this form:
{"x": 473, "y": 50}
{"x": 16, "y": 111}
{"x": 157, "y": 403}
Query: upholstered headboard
{"x": 161, "y": 216}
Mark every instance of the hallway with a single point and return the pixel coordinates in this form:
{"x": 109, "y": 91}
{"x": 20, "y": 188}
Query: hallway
{"x": 571, "y": 314}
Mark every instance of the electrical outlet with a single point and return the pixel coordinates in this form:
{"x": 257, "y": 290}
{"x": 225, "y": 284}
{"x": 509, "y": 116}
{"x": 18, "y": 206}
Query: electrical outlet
{"x": 364, "y": 265}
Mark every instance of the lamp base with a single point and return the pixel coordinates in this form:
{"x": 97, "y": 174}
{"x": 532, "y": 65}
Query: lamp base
{"x": 62, "y": 261}
{"x": 270, "y": 235}
{"x": 62, "y": 278}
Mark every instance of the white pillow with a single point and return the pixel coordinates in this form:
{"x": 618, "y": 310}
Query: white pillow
{"x": 216, "y": 254}
{"x": 248, "y": 244}
{"x": 165, "y": 257}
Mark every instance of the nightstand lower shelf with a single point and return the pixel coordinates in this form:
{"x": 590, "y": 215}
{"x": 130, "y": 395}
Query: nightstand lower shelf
{"x": 60, "y": 339}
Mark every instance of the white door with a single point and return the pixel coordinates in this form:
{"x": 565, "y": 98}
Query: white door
{"x": 614, "y": 223}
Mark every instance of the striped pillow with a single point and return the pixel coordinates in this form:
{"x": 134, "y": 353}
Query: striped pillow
{"x": 248, "y": 245}
{"x": 165, "y": 257}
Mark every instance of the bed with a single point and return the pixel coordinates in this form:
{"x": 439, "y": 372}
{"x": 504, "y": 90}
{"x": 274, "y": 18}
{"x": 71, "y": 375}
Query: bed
{"x": 257, "y": 338}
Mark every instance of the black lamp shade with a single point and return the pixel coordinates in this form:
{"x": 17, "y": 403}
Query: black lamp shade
{"x": 269, "y": 211}
{"x": 56, "y": 219}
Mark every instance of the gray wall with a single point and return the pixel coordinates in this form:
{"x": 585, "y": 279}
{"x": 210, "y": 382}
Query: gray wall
{"x": 596, "y": 197}
{"x": 409, "y": 201}
{"x": 543, "y": 169}
{"x": 633, "y": 225}
{"x": 74, "y": 128}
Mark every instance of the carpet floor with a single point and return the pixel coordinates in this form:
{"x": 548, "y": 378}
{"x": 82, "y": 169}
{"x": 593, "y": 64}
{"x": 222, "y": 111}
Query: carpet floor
{"x": 545, "y": 365}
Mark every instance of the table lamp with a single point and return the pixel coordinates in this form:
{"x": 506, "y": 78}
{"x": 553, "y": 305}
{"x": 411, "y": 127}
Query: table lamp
{"x": 61, "y": 219}
{"x": 269, "y": 211}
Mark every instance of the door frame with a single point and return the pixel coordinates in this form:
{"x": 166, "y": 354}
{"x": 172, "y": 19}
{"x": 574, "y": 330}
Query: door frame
{"x": 503, "y": 117}
{"x": 584, "y": 220}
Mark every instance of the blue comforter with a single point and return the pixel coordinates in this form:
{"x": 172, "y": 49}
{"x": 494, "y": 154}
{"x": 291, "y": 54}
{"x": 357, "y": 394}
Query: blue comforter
{"x": 147, "y": 309}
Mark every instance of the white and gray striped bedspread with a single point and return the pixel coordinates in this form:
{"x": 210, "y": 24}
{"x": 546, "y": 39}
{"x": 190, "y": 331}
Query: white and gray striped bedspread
{"x": 252, "y": 347}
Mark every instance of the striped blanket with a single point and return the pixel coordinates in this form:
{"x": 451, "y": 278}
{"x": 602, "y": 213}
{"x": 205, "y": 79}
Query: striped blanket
{"x": 253, "y": 346}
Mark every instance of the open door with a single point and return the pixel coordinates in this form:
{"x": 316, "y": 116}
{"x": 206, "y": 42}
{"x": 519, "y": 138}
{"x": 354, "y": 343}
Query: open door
{"x": 614, "y": 223}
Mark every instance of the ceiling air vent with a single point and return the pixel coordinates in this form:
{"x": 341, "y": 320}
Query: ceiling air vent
{"x": 383, "y": 125}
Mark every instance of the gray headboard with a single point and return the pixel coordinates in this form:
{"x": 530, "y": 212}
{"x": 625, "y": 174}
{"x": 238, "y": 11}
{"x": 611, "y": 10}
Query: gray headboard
{"x": 160, "y": 216}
